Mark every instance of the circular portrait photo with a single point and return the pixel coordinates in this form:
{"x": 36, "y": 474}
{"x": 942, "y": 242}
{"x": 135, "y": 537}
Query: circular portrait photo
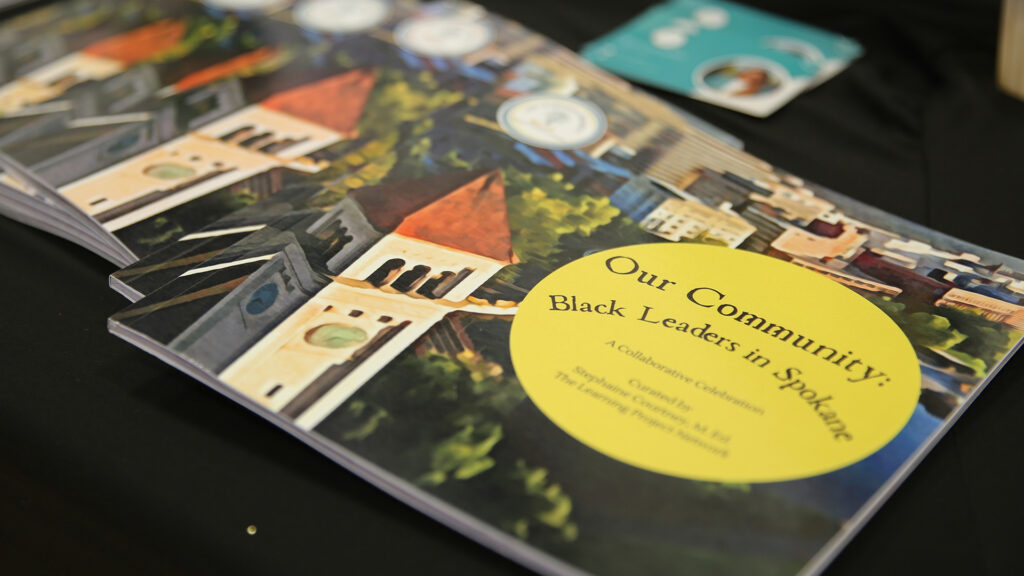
{"x": 740, "y": 77}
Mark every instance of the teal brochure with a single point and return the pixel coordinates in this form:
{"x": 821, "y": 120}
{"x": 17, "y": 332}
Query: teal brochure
{"x": 723, "y": 53}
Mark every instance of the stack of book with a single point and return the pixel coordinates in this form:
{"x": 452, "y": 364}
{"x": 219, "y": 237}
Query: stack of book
{"x": 377, "y": 224}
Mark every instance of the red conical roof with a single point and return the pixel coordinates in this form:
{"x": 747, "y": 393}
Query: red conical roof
{"x": 139, "y": 44}
{"x": 335, "y": 102}
{"x": 461, "y": 210}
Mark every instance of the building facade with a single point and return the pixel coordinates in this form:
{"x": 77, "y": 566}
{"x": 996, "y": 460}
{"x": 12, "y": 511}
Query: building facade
{"x": 417, "y": 251}
{"x": 678, "y": 219}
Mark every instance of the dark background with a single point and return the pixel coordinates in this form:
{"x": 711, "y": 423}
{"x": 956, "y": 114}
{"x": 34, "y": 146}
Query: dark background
{"x": 113, "y": 463}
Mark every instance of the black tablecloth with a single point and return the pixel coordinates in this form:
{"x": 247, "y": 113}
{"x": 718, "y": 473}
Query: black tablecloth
{"x": 112, "y": 462}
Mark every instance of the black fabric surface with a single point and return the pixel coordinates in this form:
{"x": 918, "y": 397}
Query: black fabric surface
{"x": 113, "y": 463}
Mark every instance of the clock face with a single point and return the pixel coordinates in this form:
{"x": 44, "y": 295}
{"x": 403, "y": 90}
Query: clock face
{"x": 262, "y": 299}
{"x": 335, "y": 335}
{"x": 341, "y": 16}
{"x": 443, "y": 36}
{"x": 552, "y": 122}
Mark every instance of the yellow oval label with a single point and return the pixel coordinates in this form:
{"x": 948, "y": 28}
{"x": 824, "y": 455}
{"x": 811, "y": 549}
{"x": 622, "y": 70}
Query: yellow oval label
{"x": 713, "y": 364}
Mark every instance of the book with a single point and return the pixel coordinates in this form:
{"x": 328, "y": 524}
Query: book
{"x": 550, "y": 310}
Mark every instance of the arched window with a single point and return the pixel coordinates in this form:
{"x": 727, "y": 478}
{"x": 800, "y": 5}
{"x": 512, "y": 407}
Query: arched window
{"x": 386, "y": 272}
{"x": 283, "y": 144}
{"x": 452, "y": 281}
{"x": 169, "y": 171}
{"x": 335, "y": 335}
{"x": 252, "y": 140}
{"x": 429, "y": 287}
{"x": 409, "y": 278}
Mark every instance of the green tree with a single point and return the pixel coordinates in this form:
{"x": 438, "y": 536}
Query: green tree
{"x": 437, "y": 416}
{"x": 364, "y": 166}
{"x": 544, "y": 509}
{"x": 392, "y": 132}
{"x": 704, "y": 237}
{"x": 541, "y": 211}
{"x": 402, "y": 99}
{"x": 966, "y": 335}
{"x": 200, "y": 30}
{"x": 436, "y": 420}
{"x": 922, "y": 328}
{"x": 984, "y": 339}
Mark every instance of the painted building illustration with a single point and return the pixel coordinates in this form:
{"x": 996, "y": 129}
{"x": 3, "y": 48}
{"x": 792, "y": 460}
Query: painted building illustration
{"x": 676, "y": 219}
{"x": 340, "y": 289}
{"x": 800, "y": 242}
{"x": 96, "y": 128}
{"x": 991, "y": 308}
{"x": 372, "y": 276}
{"x": 100, "y": 60}
{"x": 279, "y": 132}
{"x": 795, "y": 202}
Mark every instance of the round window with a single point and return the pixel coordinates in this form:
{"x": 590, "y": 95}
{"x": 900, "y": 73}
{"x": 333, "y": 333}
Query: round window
{"x": 262, "y": 299}
{"x": 168, "y": 171}
{"x": 335, "y": 336}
